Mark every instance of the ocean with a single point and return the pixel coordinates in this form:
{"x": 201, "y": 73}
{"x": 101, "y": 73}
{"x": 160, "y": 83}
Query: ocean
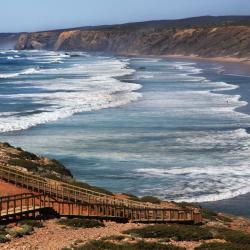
{"x": 171, "y": 128}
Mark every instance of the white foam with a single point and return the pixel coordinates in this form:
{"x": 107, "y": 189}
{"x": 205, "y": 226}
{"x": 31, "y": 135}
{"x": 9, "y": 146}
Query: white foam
{"x": 9, "y": 75}
{"x": 240, "y": 75}
{"x": 98, "y": 91}
{"x": 29, "y": 71}
{"x": 205, "y": 176}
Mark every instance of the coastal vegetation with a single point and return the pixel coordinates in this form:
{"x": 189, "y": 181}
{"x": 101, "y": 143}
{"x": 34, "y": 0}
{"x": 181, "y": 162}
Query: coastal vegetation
{"x": 55, "y": 170}
{"x": 150, "y": 199}
{"x": 214, "y": 233}
{"x": 222, "y": 246}
{"x": 230, "y": 235}
{"x": 80, "y": 223}
{"x": 141, "y": 245}
{"x": 24, "y": 227}
{"x": 173, "y": 231}
{"x": 90, "y": 187}
{"x": 171, "y": 237}
{"x": 43, "y": 166}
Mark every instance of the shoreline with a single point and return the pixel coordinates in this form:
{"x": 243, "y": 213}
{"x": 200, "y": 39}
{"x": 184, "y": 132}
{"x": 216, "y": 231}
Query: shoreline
{"x": 233, "y": 201}
{"x": 223, "y": 59}
{"x": 233, "y": 65}
{"x": 239, "y": 205}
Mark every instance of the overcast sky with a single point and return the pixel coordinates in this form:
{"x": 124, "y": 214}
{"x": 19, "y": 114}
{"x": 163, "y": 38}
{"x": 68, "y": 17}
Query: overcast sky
{"x": 34, "y": 15}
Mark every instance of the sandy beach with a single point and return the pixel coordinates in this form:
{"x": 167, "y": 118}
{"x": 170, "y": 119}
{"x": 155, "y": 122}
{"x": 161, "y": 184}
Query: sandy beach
{"x": 225, "y": 59}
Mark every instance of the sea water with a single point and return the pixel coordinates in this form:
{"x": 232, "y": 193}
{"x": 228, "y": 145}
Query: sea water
{"x": 148, "y": 126}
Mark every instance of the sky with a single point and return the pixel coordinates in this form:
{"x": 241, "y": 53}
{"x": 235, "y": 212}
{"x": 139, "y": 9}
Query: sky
{"x": 35, "y": 15}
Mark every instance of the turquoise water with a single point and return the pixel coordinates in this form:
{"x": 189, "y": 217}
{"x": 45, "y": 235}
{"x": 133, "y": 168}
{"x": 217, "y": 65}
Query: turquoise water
{"x": 147, "y": 126}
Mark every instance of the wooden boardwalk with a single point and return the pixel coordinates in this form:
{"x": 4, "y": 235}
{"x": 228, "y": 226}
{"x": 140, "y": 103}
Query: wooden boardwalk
{"x": 68, "y": 200}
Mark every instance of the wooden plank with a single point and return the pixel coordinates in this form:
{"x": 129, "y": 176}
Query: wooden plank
{"x": 76, "y": 198}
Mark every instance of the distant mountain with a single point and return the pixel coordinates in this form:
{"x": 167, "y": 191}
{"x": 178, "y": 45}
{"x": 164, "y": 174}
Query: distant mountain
{"x": 175, "y": 23}
{"x": 206, "y": 36}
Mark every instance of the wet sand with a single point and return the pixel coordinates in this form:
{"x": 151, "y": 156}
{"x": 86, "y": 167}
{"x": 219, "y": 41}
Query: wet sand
{"x": 226, "y": 59}
{"x": 239, "y": 205}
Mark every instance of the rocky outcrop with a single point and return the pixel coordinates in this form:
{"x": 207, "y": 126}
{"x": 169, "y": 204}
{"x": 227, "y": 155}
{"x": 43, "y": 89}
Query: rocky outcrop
{"x": 29, "y": 162}
{"x": 39, "y": 40}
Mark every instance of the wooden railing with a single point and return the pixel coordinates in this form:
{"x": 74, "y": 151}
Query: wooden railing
{"x": 67, "y": 199}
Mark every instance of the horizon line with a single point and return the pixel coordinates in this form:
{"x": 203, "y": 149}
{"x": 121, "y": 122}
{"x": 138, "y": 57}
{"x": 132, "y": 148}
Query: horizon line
{"x": 122, "y": 23}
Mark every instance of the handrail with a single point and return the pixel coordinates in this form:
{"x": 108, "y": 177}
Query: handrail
{"x": 54, "y": 194}
{"x": 70, "y": 187}
{"x": 28, "y": 203}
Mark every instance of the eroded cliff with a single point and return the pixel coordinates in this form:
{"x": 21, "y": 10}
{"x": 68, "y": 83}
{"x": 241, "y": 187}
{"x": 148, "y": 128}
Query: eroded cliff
{"x": 201, "y": 36}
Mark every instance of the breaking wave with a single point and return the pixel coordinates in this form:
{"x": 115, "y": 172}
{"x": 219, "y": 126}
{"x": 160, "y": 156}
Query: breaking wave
{"x": 63, "y": 97}
{"x": 184, "y": 140}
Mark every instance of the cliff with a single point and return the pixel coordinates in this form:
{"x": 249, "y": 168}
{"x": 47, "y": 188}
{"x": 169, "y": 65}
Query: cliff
{"x": 201, "y": 36}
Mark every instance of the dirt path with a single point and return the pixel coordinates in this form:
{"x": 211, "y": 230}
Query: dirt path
{"x": 56, "y": 237}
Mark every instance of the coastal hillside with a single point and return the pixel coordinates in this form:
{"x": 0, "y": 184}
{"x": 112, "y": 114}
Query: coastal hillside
{"x": 202, "y": 36}
{"x": 216, "y": 231}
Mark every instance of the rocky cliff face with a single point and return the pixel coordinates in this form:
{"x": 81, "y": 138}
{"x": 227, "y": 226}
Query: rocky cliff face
{"x": 39, "y": 40}
{"x": 208, "y": 42}
{"x": 202, "y": 36}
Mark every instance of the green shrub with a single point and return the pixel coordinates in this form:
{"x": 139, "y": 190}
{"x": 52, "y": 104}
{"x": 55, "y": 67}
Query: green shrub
{"x": 20, "y": 231}
{"x": 32, "y": 223}
{"x": 187, "y": 205}
{"x": 27, "y": 156}
{"x": 150, "y": 199}
{"x": 208, "y": 214}
{"x": 224, "y": 218}
{"x": 211, "y": 215}
{"x": 3, "y": 238}
{"x": 45, "y": 170}
{"x": 222, "y": 246}
{"x": 80, "y": 223}
{"x": 29, "y": 165}
{"x": 6, "y": 144}
{"x": 93, "y": 188}
{"x": 175, "y": 231}
{"x": 2, "y": 230}
{"x": 132, "y": 197}
{"x": 102, "y": 245}
{"x": 59, "y": 168}
{"x": 232, "y": 235}
{"x": 115, "y": 237}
